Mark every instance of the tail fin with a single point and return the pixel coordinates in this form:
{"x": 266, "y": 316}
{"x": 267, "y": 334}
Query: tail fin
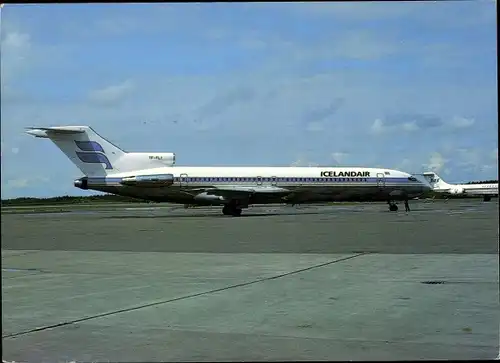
{"x": 435, "y": 180}
{"x": 92, "y": 154}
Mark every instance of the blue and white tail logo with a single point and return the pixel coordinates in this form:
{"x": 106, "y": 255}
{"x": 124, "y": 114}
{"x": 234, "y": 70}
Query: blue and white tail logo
{"x": 93, "y": 153}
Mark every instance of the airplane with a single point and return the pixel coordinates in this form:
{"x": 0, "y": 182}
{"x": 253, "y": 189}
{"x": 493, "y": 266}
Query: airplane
{"x": 440, "y": 186}
{"x": 154, "y": 176}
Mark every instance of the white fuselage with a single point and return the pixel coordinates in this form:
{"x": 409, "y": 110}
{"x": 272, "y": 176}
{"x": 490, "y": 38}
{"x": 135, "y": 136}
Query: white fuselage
{"x": 265, "y": 184}
{"x": 492, "y": 188}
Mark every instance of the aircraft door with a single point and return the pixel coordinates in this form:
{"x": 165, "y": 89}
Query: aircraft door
{"x": 259, "y": 180}
{"x": 183, "y": 180}
{"x": 274, "y": 181}
{"x": 380, "y": 180}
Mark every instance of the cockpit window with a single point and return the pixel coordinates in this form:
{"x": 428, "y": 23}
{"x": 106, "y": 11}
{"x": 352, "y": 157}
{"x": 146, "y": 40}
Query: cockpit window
{"x": 412, "y": 178}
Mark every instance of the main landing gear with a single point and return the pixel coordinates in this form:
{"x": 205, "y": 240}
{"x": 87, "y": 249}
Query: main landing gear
{"x": 394, "y": 208}
{"x": 486, "y": 198}
{"x": 231, "y": 209}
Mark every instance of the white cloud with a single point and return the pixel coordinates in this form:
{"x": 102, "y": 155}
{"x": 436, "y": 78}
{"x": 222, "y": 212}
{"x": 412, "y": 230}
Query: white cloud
{"x": 468, "y": 156}
{"x": 436, "y": 162}
{"x": 405, "y": 164}
{"x": 22, "y": 57}
{"x": 413, "y": 123}
{"x": 15, "y": 53}
{"x": 378, "y": 127}
{"x": 448, "y": 146}
{"x": 315, "y": 127}
{"x": 486, "y": 168}
{"x": 494, "y": 154}
{"x": 21, "y": 183}
{"x": 339, "y": 157}
{"x": 446, "y": 171}
{"x": 112, "y": 94}
{"x": 410, "y": 126}
{"x": 302, "y": 161}
{"x": 17, "y": 183}
{"x": 461, "y": 122}
{"x": 15, "y": 43}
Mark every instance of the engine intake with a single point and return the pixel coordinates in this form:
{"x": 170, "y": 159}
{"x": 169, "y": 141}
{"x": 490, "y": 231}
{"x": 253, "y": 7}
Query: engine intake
{"x": 82, "y": 183}
{"x": 457, "y": 191}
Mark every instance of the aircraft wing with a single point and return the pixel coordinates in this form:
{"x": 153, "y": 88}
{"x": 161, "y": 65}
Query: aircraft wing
{"x": 230, "y": 192}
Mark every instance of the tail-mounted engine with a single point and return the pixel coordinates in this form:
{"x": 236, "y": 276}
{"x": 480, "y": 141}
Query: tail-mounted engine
{"x": 82, "y": 183}
{"x": 151, "y": 181}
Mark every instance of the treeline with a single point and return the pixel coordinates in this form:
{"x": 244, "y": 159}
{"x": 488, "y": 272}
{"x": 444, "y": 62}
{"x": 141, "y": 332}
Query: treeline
{"x": 66, "y": 199}
{"x": 483, "y": 182}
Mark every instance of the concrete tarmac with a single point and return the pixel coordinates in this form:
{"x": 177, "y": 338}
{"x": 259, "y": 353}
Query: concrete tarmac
{"x": 331, "y": 283}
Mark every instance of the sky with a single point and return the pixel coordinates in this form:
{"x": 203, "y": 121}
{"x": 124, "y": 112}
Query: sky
{"x": 409, "y": 86}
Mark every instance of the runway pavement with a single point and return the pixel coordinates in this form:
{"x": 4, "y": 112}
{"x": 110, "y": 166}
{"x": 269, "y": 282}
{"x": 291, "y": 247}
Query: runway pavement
{"x": 434, "y": 227}
{"x": 335, "y": 283}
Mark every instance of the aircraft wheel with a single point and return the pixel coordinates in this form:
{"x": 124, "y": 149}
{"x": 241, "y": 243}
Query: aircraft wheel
{"x": 393, "y": 208}
{"x": 231, "y": 211}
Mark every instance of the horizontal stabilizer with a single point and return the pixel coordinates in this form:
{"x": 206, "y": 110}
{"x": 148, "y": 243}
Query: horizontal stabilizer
{"x": 61, "y": 130}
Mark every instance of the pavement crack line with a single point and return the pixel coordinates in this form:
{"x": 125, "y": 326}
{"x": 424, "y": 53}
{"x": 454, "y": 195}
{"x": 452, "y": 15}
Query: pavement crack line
{"x": 157, "y": 303}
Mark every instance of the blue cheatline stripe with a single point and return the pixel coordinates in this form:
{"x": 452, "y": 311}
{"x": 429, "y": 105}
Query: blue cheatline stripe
{"x": 94, "y": 158}
{"x": 89, "y": 146}
{"x": 94, "y": 180}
